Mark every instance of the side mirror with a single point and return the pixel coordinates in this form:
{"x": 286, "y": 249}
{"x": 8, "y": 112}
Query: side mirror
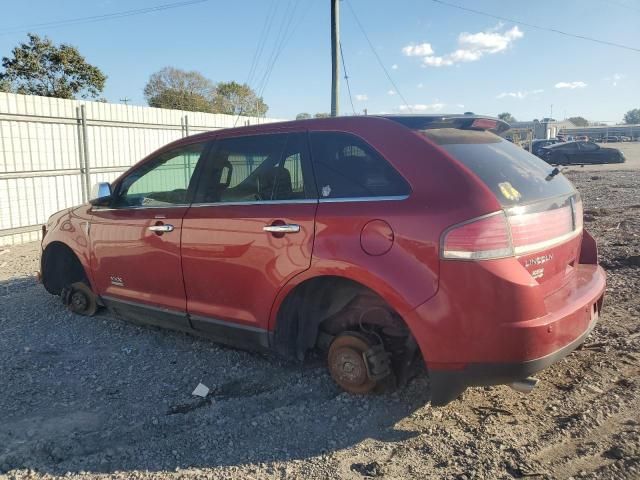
{"x": 100, "y": 194}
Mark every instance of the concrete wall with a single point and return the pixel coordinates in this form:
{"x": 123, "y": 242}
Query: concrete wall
{"x": 51, "y": 151}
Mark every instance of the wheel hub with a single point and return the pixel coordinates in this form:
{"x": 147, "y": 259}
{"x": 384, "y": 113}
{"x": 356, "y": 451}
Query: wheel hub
{"x": 350, "y": 366}
{"x": 347, "y": 363}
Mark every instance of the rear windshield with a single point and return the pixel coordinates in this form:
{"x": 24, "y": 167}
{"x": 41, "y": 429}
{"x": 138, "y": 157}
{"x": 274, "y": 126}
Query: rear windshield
{"x": 513, "y": 174}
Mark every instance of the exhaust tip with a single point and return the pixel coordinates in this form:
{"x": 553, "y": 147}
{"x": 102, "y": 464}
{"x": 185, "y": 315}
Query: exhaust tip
{"x": 526, "y": 385}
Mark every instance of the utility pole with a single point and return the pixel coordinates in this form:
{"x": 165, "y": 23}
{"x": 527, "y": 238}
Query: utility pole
{"x": 125, "y": 100}
{"x": 335, "y": 39}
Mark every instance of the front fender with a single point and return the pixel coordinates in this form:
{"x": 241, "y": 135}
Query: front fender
{"x": 71, "y": 227}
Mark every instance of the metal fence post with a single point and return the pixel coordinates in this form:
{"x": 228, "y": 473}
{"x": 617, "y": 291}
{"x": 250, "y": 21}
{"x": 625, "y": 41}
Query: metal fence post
{"x": 83, "y": 184}
{"x": 186, "y": 125}
{"x": 85, "y": 145}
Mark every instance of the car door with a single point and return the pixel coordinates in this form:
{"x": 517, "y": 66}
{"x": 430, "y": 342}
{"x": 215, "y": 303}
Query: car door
{"x": 135, "y": 241}
{"x": 249, "y": 231}
{"x": 590, "y": 152}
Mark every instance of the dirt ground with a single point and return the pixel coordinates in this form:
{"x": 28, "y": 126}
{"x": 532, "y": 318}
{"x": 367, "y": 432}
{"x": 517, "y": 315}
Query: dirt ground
{"x": 98, "y": 397}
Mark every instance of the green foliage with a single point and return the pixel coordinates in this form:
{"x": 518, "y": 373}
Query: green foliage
{"x": 303, "y": 116}
{"x": 632, "y": 117}
{"x": 38, "y": 67}
{"x": 233, "y": 98}
{"x": 579, "y": 121}
{"x": 507, "y": 117}
{"x": 180, "y": 90}
{"x": 192, "y": 91}
{"x": 322, "y": 115}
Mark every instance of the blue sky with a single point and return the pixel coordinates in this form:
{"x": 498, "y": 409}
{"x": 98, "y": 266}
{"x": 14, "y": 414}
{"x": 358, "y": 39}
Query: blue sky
{"x": 441, "y": 59}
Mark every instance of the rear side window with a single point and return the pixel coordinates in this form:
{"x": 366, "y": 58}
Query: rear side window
{"x": 347, "y": 167}
{"x": 254, "y": 168}
{"x": 513, "y": 174}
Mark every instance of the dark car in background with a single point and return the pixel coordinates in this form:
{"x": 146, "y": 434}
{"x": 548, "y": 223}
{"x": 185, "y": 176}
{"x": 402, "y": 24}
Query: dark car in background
{"x": 568, "y": 153}
{"x": 537, "y": 145}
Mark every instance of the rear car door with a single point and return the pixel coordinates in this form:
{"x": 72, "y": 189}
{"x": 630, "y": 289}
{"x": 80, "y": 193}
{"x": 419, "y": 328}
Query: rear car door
{"x": 250, "y": 229}
{"x": 135, "y": 241}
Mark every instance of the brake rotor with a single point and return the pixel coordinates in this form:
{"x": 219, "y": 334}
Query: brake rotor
{"x": 347, "y": 364}
{"x": 81, "y": 300}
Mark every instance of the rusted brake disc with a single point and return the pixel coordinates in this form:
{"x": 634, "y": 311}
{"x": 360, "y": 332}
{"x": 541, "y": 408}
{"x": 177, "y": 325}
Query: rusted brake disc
{"x": 347, "y": 362}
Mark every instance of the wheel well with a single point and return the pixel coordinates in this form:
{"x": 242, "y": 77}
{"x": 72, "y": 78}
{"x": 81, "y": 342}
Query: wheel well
{"x": 326, "y": 306}
{"x": 60, "y": 267}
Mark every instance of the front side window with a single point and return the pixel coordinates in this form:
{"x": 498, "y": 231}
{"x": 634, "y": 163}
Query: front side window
{"x": 161, "y": 182}
{"x": 347, "y": 167}
{"x": 257, "y": 168}
{"x": 588, "y": 147}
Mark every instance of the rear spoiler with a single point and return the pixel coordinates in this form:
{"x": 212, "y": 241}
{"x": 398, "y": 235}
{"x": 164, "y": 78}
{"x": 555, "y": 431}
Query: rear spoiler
{"x": 461, "y": 122}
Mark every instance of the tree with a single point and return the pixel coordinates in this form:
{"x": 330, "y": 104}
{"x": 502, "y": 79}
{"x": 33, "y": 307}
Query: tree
{"x": 632, "y": 117}
{"x": 233, "y": 98}
{"x": 322, "y": 115}
{"x": 178, "y": 89}
{"x": 39, "y": 67}
{"x": 579, "y": 121}
{"x": 303, "y": 116}
{"x": 507, "y": 117}
{"x": 5, "y": 85}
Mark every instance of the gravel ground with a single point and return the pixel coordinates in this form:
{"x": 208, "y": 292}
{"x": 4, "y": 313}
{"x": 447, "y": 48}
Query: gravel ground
{"x": 98, "y": 397}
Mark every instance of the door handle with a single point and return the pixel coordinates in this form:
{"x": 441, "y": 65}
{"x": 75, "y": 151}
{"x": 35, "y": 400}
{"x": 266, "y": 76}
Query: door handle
{"x": 161, "y": 228}
{"x": 286, "y": 228}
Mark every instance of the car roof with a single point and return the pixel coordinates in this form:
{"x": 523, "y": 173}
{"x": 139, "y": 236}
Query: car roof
{"x": 562, "y": 144}
{"x": 410, "y": 121}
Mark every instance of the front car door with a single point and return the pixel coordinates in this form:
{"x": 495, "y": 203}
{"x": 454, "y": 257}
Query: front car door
{"x": 249, "y": 231}
{"x": 135, "y": 241}
{"x": 590, "y": 152}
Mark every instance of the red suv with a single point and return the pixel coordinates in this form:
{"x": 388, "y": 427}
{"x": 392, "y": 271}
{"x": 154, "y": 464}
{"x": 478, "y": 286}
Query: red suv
{"x": 378, "y": 240}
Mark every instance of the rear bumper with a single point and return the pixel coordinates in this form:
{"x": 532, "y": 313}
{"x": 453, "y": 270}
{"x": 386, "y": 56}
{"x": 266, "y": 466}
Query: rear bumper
{"x": 497, "y": 341}
{"x": 447, "y": 385}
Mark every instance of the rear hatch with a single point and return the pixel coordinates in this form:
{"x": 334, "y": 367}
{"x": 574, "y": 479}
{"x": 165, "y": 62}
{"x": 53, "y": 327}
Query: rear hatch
{"x": 541, "y": 220}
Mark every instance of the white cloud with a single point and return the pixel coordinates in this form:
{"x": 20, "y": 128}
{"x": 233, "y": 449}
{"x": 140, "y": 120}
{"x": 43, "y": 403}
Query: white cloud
{"x": 362, "y": 97}
{"x": 472, "y": 47}
{"x": 419, "y": 50}
{"x": 420, "y": 85}
{"x": 614, "y": 79}
{"x": 520, "y": 95}
{"x": 570, "y": 85}
{"x": 421, "y": 107}
{"x": 394, "y": 66}
{"x": 391, "y": 92}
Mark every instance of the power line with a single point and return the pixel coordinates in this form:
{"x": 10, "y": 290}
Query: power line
{"x": 386, "y": 72}
{"x": 531, "y": 25}
{"x": 346, "y": 77}
{"x": 285, "y": 32}
{"x": 624, "y": 5}
{"x": 288, "y": 33}
{"x": 99, "y": 18}
{"x": 264, "y": 34}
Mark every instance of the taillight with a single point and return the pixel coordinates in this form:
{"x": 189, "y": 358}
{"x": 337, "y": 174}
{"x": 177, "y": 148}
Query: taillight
{"x": 483, "y": 238}
{"x": 516, "y": 232}
{"x": 578, "y": 214}
{"x": 536, "y": 231}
